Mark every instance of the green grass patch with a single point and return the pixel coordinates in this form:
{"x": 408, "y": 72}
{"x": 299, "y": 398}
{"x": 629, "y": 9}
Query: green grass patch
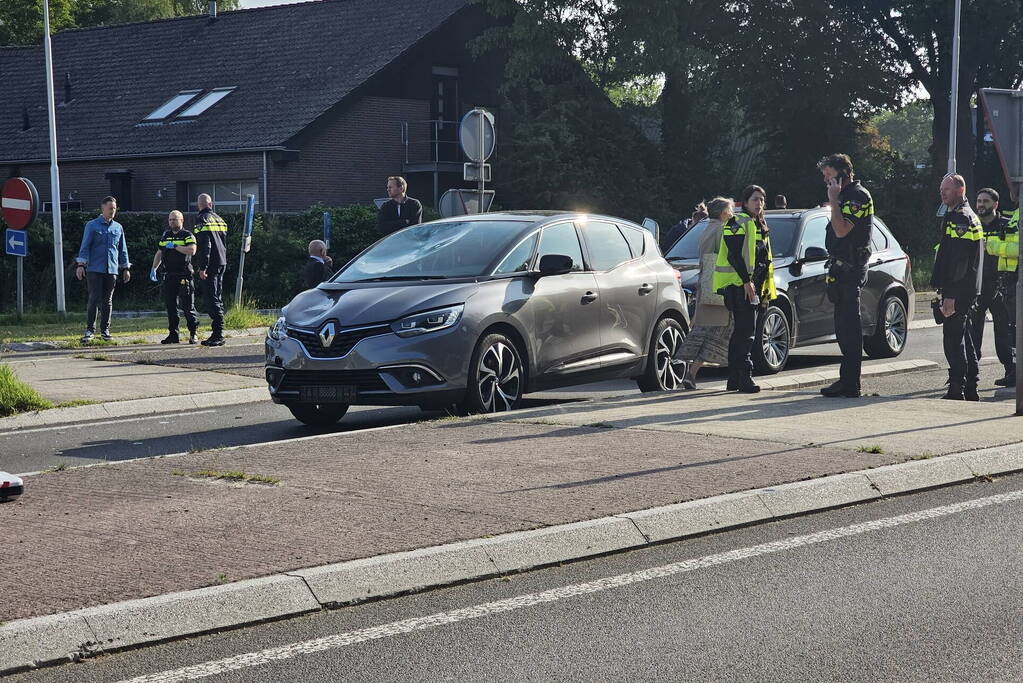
{"x": 16, "y": 396}
{"x": 870, "y": 449}
{"x": 76, "y": 403}
{"x": 230, "y": 475}
{"x": 243, "y": 316}
{"x": 49, "y": 327}
{"x": 60, "y": 467}
{"x": 923, "y": 267}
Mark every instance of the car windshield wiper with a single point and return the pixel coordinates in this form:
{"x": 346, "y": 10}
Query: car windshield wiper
{"x": 399, "y": 278}
{"x": 676, "y": 259}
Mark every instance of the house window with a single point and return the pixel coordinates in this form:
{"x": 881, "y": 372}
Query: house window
{"x": 229, "y": 196}
{"x": 206, "y": 101}
{"x": 172, "y": 105}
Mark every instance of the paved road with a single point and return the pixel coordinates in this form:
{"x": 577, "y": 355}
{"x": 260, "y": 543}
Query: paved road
{"x": 921, "y": 587}
{"x": 121, "y": 439}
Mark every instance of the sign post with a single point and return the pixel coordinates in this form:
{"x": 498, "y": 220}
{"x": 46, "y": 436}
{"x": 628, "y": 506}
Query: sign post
{"x": 250, "y": 210}
{"x": 19, "y": 204}
{"x": 58, "y": 239}
{"x": 1003, "y": 110}
{"x": 477, "y": 137}
{"x": 326, "y": 228}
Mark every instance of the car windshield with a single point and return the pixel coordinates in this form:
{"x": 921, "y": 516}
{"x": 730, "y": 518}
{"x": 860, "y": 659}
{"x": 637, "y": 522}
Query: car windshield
{"x": 783, "y": 234}
{"x": 434, "y": 251}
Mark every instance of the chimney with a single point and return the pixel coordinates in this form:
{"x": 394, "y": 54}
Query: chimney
{"x": 213, "y": 9}
{"x": 25, "y": 123}
{"x": 67, "y": 88}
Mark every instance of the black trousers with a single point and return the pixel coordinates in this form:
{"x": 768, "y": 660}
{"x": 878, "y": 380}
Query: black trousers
{"x": 213, "y": 298}
{"x": 849, "y": 328}
{"x": 1005, "y": 338}
{"x": 744, "y": 314}
{"x": 958, "y": 343}
{"x": 178, "y": 291}
{"x": 101, "y": 298}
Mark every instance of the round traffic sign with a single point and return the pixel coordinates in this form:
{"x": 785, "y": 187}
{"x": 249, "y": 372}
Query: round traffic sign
{"x": 19, "y": 203}
{"x": 477, "y": 136}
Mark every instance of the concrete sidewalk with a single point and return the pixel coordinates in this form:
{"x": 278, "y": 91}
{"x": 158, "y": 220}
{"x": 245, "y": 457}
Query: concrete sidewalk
{"x": 158, "y": 526}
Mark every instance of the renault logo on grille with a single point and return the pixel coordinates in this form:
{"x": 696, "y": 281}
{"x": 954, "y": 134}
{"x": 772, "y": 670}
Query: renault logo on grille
{"x": 326, "y": 334}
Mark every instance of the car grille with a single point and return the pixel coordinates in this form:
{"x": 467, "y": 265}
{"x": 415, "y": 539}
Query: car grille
{"x": 362, "y": 380}
{"x": 343, "y": 342}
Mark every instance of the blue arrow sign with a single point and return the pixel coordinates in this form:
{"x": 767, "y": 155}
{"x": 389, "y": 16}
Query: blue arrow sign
{"x": 16, "y": 242}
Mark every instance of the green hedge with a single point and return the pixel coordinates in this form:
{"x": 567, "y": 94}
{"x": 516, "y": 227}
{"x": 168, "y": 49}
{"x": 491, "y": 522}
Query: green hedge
{"x": 273, "y": 267}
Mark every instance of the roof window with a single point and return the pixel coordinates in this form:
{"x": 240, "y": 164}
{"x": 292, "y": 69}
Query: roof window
{"x": 206, "y": 101}
{"x": 172, "y": 105}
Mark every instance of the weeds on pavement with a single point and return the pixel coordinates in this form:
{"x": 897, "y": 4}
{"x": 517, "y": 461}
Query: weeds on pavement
{"x": 870, "y": 449}
{"x": 16, "y": 396}
{"x": 230, "y": 475}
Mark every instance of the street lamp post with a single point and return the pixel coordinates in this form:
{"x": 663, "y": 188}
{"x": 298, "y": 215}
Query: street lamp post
{"x": 954, "y": 109}
{"x": 58, "y": 239}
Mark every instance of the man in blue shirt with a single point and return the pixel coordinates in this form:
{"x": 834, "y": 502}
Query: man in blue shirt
{"x": 103, "y": 254}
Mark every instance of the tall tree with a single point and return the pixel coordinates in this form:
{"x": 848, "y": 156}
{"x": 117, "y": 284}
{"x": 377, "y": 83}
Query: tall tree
{"x": 21, "y": 21}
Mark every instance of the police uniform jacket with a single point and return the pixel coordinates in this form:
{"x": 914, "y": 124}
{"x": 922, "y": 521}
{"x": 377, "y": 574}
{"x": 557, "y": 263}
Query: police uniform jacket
{"x": 211, "y": 236}
{"x": 959, "y": 263}
{"x": 853, "y": 250}
{"x": 176, "y": 263}
{"x": 993, "y": 233}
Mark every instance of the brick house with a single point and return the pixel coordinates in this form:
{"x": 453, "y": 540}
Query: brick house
{"x": 297, "y": 104}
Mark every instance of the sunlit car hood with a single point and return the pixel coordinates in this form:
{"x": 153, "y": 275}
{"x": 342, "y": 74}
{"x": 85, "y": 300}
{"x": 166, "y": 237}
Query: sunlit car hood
{"x": 364, "y": 304}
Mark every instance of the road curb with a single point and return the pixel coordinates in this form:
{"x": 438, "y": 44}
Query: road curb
{"x": 28, "y": 643}
{"x": 20, "y": 347}
{"x": 133, "y": 408}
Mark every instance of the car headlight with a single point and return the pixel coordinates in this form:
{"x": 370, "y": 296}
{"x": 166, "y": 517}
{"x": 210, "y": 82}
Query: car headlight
{"x": 428, "y": 321}
{"x": 279, "y": 330}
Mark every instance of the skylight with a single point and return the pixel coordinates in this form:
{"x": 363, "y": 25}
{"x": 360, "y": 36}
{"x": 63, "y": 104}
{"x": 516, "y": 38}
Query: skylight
{"x": 172, "y": 105}
{"x": 206, "y": 101}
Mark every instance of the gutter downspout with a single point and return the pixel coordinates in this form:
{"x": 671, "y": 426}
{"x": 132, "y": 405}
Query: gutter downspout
{"x": 266, "y": 195}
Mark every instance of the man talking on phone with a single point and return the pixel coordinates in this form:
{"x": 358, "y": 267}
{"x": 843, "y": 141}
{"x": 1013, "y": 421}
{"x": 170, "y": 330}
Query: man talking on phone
{"x": 848, "y": 245}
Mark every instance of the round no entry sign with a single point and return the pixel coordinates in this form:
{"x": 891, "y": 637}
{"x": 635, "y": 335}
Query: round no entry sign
{"x": 19, "y": 203}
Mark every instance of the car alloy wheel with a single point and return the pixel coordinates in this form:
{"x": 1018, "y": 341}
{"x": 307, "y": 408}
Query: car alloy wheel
{"x": 670, "y": 369}
{"x": 773, "y": 341}
{"x": 895, "y": 324}
{"x": 891, "y": 332}
{"x": 498, "y": 377}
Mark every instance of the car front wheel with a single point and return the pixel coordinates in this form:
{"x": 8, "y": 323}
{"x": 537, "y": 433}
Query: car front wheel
{"x": 496, "y": 376}
{"x": 772, "y": 342}
{"x": 318, "y": 414}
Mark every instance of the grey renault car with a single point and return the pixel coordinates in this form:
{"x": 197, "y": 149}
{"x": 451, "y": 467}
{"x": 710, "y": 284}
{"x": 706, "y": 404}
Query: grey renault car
{"x": 476, "y": 311}
{"x": 802, "y": 315}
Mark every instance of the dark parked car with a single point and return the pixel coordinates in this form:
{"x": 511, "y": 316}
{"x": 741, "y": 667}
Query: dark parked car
{"x": 802, "y": 314}
{"x": 478, "y": 310}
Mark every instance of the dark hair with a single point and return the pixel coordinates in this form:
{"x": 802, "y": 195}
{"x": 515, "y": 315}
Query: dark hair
{"x": 989, "y": 192}
{"x": 840, "y": 162}
{"x": 107, "y": 200}
{"x": 780, "y": 199}
{"x": 748, "y": 192}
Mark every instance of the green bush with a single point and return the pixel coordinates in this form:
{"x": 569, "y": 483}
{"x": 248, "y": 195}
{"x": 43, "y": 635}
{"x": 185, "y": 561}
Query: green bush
{"x": 273, "y": 267}
{"x": 16, "y": 396}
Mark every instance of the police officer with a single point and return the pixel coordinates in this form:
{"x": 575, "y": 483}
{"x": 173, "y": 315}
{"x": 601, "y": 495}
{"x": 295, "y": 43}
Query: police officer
{"x": 211, "y": 261}
{"x": 1005, "y": 246}
{"x": 177, "y": 247}
{"x": 744, "y": 276}
{"x": 958, "y": 272}
{"x": 848, "y": 244}
{"x": 992, "y": 297}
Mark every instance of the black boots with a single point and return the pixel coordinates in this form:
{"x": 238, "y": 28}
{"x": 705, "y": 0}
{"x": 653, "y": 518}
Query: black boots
{"x": 955, "y": 391}
{"x": 171, "y": 338}
{"x": 970, "y": 391}
{"x": 838, "y": 389}
{"x": 1010, "y": 377}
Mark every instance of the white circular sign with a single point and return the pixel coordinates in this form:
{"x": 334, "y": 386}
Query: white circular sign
{"x": 477, "y": 136}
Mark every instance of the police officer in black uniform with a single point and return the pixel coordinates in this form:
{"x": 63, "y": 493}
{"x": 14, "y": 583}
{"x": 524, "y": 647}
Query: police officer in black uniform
{"x": 211, "y": 261}
{"x": 958, "y": 272}
{"x": 848, "y": 245}
{"x": 992, "y": 294}
{"x": 177, "y": 247}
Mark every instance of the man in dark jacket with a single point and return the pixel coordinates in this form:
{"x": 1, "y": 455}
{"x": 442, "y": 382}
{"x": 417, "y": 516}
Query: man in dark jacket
{"x": 992, "y": 295}
{"x": 400, "y": 211}
{"x": 318, "y": 268}
{"x": 958, "y": 274}
{"x": 211, "y": 261}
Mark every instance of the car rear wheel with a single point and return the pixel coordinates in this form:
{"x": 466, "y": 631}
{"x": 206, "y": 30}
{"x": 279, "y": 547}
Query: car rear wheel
{"x": 664, "y": 368}
{"x": 891, "y": 331}
{"x": 496, "y": 376}
{"x": 772, "y": 342}
{"x": 318, "y": 414}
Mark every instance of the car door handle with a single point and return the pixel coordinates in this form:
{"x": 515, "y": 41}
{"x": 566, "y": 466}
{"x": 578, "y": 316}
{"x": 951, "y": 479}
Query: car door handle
{"x": 589, "y": 297}
{"x": 645, "y": 288}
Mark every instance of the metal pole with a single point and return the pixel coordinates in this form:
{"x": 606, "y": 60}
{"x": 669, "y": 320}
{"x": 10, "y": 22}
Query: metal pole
{"x": 479, "y": 164}
{"x": 250, "y": 210}
{"x": 21, "y": 286}
{"x": 58, "y": 238}
{"x": 1019, "y": 313}
{"x": 954, "y": 109}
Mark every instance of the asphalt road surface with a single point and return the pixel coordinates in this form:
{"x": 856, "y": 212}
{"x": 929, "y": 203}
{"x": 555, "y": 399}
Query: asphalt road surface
{"x": 35, "y": 449}
{"x": 916, "y": 588}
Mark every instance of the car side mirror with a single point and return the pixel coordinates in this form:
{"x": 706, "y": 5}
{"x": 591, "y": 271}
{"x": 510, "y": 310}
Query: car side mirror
{"x": 554, "y": 264}
{"x": 813, "y": 254}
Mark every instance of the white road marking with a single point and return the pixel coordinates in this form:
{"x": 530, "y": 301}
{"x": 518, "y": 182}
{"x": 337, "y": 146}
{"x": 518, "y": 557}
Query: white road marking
{"x": 252, "y": 659}
{"x": 80, "y": 425}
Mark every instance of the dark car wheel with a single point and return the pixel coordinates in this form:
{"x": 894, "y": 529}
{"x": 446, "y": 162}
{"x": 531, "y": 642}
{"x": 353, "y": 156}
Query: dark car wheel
{"x": 496, "y": 376}
{"x": 664, "y": 369}
{"x": 318, "y": 414}
{"x": 772, "y": 342}
{"x": 891, "y": 331}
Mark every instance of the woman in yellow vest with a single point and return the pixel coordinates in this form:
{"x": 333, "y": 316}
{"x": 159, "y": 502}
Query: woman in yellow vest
{"x": 744, "y": 276}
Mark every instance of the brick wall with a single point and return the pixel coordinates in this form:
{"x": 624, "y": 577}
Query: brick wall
{"x": 349, "y": 158}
